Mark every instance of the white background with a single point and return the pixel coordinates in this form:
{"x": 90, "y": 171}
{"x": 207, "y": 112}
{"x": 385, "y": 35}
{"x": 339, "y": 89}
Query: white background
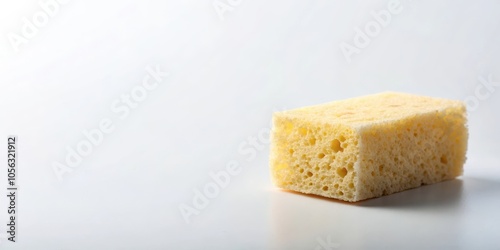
{"x": 227, "y": 73}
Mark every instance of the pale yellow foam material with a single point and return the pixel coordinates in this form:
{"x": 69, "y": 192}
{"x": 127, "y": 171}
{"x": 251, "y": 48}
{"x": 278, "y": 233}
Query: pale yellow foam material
{"x": 368, "y": 146}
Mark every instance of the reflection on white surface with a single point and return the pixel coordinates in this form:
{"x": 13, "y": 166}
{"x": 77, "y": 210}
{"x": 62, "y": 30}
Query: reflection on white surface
{"x": 450, "y": 215}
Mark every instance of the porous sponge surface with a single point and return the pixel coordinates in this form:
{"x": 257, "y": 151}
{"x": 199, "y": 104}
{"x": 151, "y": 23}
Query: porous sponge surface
{"x": 368, "y": 146}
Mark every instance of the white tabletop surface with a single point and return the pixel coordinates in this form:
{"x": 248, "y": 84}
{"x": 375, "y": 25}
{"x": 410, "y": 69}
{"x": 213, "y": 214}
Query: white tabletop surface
{"x": 182, "y": 89}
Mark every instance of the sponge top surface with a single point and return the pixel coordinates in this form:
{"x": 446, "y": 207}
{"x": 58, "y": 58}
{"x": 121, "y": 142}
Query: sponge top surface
{"x": 370, "y": 109}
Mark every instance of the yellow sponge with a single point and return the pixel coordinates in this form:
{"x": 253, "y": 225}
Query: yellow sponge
{"x": 368, "y": 146}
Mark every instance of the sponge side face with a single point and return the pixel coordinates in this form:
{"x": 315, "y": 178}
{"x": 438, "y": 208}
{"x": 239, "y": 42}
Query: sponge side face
{"x": 313, "y": 157}
{"x": 407, "y": 153}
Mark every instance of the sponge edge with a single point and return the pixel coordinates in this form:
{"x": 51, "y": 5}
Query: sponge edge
{"x": 369, "y": 146}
